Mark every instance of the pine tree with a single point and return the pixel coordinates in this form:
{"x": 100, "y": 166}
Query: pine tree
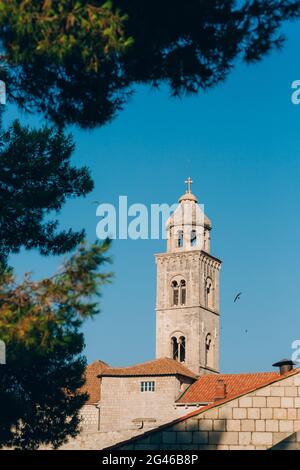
{"x": 36, "y": 178}
{"x": 40, "y": 396}
{"x": 79, "y": 61}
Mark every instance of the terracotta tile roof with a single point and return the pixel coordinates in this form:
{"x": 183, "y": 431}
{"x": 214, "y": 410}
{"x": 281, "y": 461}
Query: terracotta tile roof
{"x": 204, "y": 389}
{"x": 164, "y": 366}
{"x": 92, "y": 381}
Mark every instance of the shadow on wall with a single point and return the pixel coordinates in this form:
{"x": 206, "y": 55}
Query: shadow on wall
{"x": 290, "y": 443}
{"x": 206, "y": 434}
{"x": 179, "y": 438}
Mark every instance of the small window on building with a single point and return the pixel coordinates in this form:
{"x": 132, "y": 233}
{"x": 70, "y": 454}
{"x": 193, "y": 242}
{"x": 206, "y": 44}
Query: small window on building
{"x": 193, "y": 238}
{"x": 180, "y": 239}
{"x": 147, "y": 386}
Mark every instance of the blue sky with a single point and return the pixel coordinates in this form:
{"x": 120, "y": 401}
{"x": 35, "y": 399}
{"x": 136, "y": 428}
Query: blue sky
{"x": 240, "y": 143}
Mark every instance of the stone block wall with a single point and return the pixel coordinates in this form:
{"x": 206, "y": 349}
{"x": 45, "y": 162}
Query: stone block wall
{"x": 125, "y": 407}
{"x": 193, "y": 320}
{"x": 90, "y": 415}
{"x": 256, "y": 421}
{"x": 97, "y": 440}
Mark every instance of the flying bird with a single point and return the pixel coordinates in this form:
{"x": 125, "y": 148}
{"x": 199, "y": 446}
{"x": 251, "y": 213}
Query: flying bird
{"x": 237, "y": 297}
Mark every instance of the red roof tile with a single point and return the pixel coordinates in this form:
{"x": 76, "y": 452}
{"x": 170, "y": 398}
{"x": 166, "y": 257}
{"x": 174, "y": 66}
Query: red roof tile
{"x": 92, "y": 381}
{"x": 203, "y": 390}
{"x": 164, "y": 366}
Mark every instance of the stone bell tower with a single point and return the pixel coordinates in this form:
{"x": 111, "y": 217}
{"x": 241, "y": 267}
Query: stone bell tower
{"x": 187, "y": 307}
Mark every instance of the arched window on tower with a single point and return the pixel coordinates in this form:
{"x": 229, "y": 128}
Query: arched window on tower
{"x": 193, "y": 238}
{"x": 175, "y": 293}
{"x": 209, "y": 293}
{"x": 174, "y": 344}
{"x": 182, "y": 349}
{"x": 178, "y": 293}
{"x": 209, "y": 352}
{"x": 180, "y": 239}
{"x": 178, "y": 348}
{"x": 183, "y": 292}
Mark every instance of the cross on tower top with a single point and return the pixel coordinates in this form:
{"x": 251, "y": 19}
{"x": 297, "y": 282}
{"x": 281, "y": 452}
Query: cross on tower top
{"x": 188, "y": 182}
{"x": 188, "y": 196}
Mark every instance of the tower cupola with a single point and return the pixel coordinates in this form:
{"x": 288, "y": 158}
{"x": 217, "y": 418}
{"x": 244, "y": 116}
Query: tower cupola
{"x": 188, "y": 228}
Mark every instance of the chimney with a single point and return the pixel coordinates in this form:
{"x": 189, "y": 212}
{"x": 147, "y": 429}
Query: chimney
{"x": 285, "y": 366}
{"x": 220, "y": 392}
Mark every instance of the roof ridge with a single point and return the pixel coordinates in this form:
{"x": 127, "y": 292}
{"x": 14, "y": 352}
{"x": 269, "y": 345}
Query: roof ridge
{"x": 97, "y": 362}
{"x": 155, "y": 367}
{"x": 238, "y": 374}
{"x": 149, "y": 362}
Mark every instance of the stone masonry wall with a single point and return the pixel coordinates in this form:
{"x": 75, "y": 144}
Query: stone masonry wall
{"x": 90, "y": 418}
{"x": 98, "y": 440}
{"x": 193, "y": 320}
{"x": 256, "y": 421}
{"x": 123, "y": 403}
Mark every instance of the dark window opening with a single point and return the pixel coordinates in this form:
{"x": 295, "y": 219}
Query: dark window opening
{"x": 180, "y": 239}
{"x": 175, "y": 288}
{"x": 174, "y": 349}
{"x": 182, "y": 349}
{"x": 183, "y": 292}
{"x": 209, "y": 353}
{"x": 178, "y": 294}
{"x": 193, "y": 237}
{"x": 178, "y": 348}
{"x": 147, "y": 386}
{"x": 209, "y": 293}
